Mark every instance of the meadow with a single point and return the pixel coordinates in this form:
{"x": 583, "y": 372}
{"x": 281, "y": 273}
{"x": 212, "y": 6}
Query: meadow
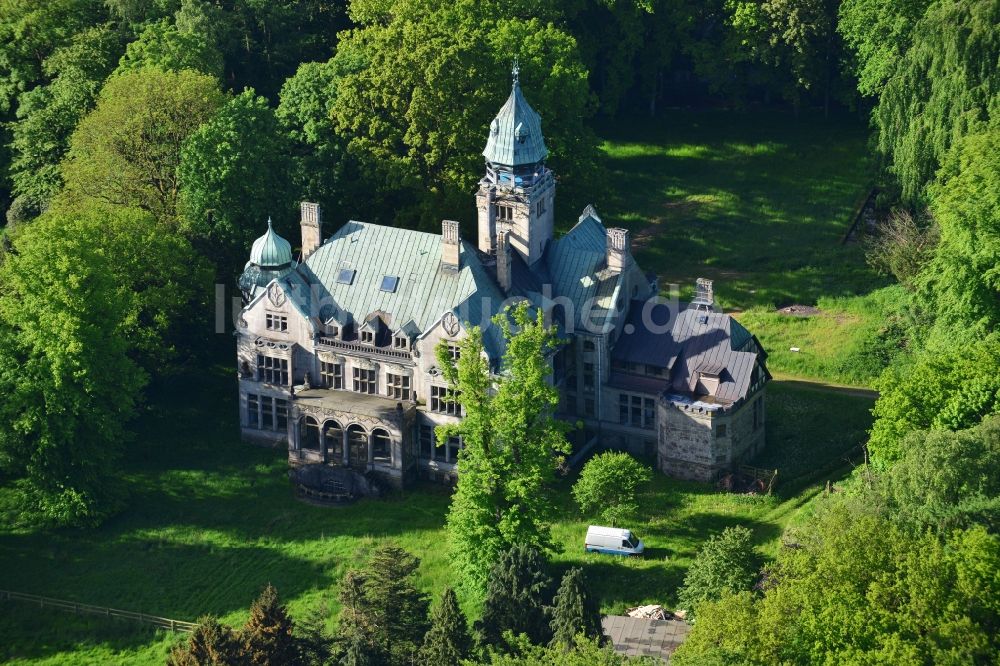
{"x": 211, "y": 520}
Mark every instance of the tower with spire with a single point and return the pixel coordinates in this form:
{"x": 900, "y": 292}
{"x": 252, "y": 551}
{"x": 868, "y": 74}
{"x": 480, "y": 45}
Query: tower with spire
{"x": 517, "y": 194}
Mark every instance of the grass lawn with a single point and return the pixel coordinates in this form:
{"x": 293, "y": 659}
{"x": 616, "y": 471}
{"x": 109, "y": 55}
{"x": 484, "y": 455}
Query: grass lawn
{"x": 757, "y": 201}
{"x": 212, "y": 520}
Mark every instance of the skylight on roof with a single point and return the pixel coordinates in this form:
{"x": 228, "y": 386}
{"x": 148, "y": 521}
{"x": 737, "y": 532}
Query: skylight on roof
{"x": 346, "y": 276}
{"x": 389, "y": 283}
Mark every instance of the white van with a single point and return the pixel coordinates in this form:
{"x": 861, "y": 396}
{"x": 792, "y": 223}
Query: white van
{"x": 613, "y": 540}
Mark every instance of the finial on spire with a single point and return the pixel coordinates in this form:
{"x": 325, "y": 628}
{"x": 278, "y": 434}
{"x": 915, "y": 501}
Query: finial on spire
{"x": 268, "y": 221}
{"x": 516, "y": 72}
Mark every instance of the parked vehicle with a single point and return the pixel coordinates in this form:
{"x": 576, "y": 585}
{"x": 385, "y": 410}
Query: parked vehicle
{"x": 613, "y": 540}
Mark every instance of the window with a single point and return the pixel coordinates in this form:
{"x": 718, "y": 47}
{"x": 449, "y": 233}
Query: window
{"x": 540, "y": 207}
{"x": 400, "y": 342}
{"x": 389, "y": 283}
{"x": 443, "y": 401}
{"x": 588, "y": 345}
{"x": 253, "y": 415}
{"x": 588, "y": 377}
{"x": 345, "y": 276}
{"x": 272, "y": 370}
{"x": 367, "y": 337}
{"x": 332, "y": 375}
{"x": 588, "y": 407}
{"x": 636, "y": 411}
{"x": 381, "y": 446}
{"x": 276, "y": 322}
{"x": 654, "y": 371}
{"x": 428, "y": 445}
{"x": 454, "y": 351}
{"x": 720, "y": 430}
{"x": 364, "y": 380}
{"x": 267, "y": 413}
{"x": 451, "y": 449}
{"x": 397, "y": 386}
{"x": 309, "y": 434}
{"x": 333, "y": 437}
{"x": 503, "y": 212}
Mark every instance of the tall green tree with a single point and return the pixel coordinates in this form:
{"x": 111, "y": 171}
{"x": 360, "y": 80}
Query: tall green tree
{"x": 575, "y": 612}
{"x": 878, "y": 33}
{"x": 188, "y": 40}
{"x": 48, "y": 114}
{"x": 609, "y": 486}
{"x": 727, "y": 562}
{"x": 517, "y": 594}
{"x": 68, "y": 383}
{"x": 448, "y": 640}
{"x": 233, "y": 175}
{"x": 945, "y": 86}
{"x": 423, "y": 79}
{"x": 210, "y": 644}
{"x": 383, "y": 612}
{"x": 127, "y": 151}
{"x": 267, "y": 637}
{"x": 513, "y": 444}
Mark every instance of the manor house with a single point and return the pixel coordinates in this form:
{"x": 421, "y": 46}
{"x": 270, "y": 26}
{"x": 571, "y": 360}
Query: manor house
{"x": 336, "y": 349}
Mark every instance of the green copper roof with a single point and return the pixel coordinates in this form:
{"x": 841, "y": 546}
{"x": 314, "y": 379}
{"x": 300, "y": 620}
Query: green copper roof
{"x": 516, "y": 133}
{"x": 271, "y": 250}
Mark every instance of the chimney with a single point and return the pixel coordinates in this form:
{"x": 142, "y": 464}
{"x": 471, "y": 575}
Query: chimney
{"x": 704, "y": 295}
{"x": 312, "y": 228}
{"x": 503, "y": 261}
{"x": 450, "y": 242}
{"x": 619, "y": 249}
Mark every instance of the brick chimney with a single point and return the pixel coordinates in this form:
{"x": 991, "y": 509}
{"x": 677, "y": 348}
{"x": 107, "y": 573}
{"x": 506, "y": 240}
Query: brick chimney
{"x": 503, "y": 261}
{"x": 450, "y": 243}
{"x": 619, "y": 249}
{"x": 311, "y": 223}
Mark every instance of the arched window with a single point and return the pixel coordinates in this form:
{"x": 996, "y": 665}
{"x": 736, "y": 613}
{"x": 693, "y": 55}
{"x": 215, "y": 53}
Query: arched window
{"x": 357, "y": 441}
{"x": 309, "y": 434}
{"x": 381, "y": 446}
{"x": 333, "y": 437}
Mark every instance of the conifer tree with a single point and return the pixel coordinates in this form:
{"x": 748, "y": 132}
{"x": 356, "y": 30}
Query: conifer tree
{"x": 575, "y": 612}
{"x": 211, "y": 643}
{"x": 448, "y": 640}
{"x": 517, "y": 593}
{"x": 267, "y": 636}
{"x": 314, "y": 642}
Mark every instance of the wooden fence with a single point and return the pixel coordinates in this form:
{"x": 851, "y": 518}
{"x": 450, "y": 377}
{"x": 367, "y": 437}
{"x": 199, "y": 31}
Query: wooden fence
{"x": 88, "y": 609}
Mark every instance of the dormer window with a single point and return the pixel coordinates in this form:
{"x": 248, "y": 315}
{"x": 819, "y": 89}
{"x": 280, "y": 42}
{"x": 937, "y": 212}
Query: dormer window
{"x": 368, "y": 337}
{"x": 400, "y": 342}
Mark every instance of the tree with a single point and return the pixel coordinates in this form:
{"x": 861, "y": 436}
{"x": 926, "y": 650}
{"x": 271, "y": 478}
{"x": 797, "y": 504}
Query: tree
{"x": 609, "y": 486}
{"x": 943, "y": 479}
{"x": 188, "y": 41}
{"x": 903, "y": 246}
{"x": 234, "y": 174}
{"x": 945, "y": 86}
{"x": 727, "y": 562}
{"x": 878, "y": 32}
{"x": 267, "y": 637}
{"x": 127, "y": 151}
{"x": 68, "y": 383}
{"x": 512, "y": 444}
{"x": 517, "y": 594}
{"x": 420, "y": 82}
{"x": 48, "y": 114}
{"x": 575, "y": 613}
{"x": 210, "y": 644}
{"x": 963, "y": 279}
{"x": 315, "y": 643}
{"x": 448, "y": 640}
{"x": 383, "y": 613}
{"x": 588, "y": 652}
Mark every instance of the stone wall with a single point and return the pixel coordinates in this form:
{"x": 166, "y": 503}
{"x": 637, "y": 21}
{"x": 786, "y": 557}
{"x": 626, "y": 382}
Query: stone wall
{"x": 686, "y": 447}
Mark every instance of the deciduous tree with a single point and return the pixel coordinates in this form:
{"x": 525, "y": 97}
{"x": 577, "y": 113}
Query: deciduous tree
{"x": 609, "y": 486}
{"x": 727, "y": 562}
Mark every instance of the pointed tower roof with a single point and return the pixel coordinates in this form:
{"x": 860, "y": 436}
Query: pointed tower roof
{"x": 271, "y": 250}
{"x": 516, "y": 132}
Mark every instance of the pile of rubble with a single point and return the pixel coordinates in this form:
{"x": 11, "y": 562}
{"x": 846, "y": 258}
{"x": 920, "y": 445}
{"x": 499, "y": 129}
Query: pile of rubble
{"x": 655, "y": 612}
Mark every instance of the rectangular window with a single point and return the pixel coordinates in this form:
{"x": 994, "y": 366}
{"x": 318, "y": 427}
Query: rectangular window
{"x": 364, "y": 380}
{"x": 428, "y": 445}
{"x": 367, "y": 337}
{"x": 588, "y": 345}
{"x": 588, "y": 377}
{"x": 397, "y": 386}
{"x": 454, "y": 351}
{"x": 267, "y": 413}
{"x": 649, "y": 414}
{"x": 503, "y": 212}
{"x": 720, "y": 430}
{"x": 636, "y": 411}
{"x": 272, "y": 370}
{"x": 281, "y": 413}
{"x": 253, "y": 415}
{"x": 654, "y": 371}
{"x": 540, "y": 207}
{"x": 451, "y": 449}
{"x": 588, "y": 407}
{"x": 276, "y": 322}
{"x": 623, "y": 409}
{"x": 399, "y": 342}
{"x": 332, "y": 375}
{"x": 443, "y": 401}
